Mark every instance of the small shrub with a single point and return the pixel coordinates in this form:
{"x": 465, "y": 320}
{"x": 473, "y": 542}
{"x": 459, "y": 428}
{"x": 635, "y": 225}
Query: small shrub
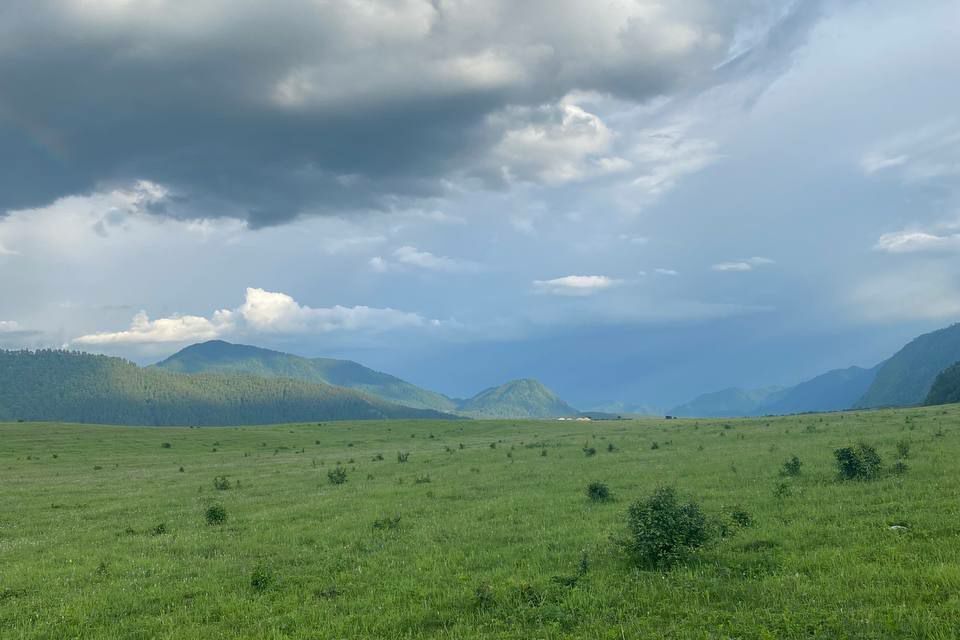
{"x": 387, "y": 523}
{"x": 421, "y": 479}
{"x": 791, "y": 467}
{"x": 782, "y": 490}
{"x": 741, "y": 517}
{"x": 903, "y": 449}
{"x": 861, "y": 462}
{"x": 483, "y": 597}
{"x": 900, "y": 467}
{"x": 166, "y": 445}
{"x": 215, "y": 514}
{"x": 220, "y": 483}
{"x": 181, "y": 469}
{"x": 598, "y": 492}
{"x": 261, "y": 578}
{"x": 654, "y": 445}
{"x": 543, "y": 453}
{"x": 589, "y": 451}
{"x": 337, "y": 475}
{"x": 159, "y": 530}
{"x": 403, "y": 457}
{"x": 664, "y": 531}
{"x": 611, "y": 448}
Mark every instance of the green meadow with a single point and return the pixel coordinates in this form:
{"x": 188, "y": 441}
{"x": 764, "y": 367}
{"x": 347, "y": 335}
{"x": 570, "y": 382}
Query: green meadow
{"x": 485, "y": 531}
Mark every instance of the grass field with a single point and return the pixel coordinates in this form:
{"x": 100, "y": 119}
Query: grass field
{"x": 103, "y": 531}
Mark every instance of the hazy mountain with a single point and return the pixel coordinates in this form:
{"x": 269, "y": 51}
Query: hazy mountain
{"x": 517, "y": 399}
{"x": 80, "y": 387}
{"x": 217, "y": 356}
{"x": 832, "y": 391}
{"x": 907, "y": 377}
{"x": 726, "y": 403}
{"x": 946, "y": 386}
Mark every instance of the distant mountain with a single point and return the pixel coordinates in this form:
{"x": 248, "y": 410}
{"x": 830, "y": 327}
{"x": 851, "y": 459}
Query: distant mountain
{"x": 517, "y": 399}
{"x": 79, "y": 387}
{"x": 906, "y": 378}
{"x": 218, "y": 356}
{"x": 832, "y": 391}
{"x": 727, "y": 403}
{"x": 835, "y": 390}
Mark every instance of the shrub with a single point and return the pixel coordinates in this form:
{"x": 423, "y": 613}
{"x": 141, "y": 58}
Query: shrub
{"x": 543, "y": 453}
{"x": 402, "y": 457}
{"x": 654, "y": 445}
{"x": 215, "y": 514}
{"x": 337, "y": 475}
{"x": 900, "y": 467}
{"x": 741, "y": 517}
{"x": 598, "y": 492}
{"x": 387, "y": 522}
{"x": 220, "y": 483}
{"x": 861, "y": 462}
{"x": 611, "y": 448}
{"x": 261, "y": 578}
{"x": 421, "y": 479}
{"x": 782, "y": 490}
{"x": 159, "y": 530}
{"x": 791, "y": 467}
{"x": 166, "y": 445}
{"x": 903, "y": 449}
{"x": 589, "y": 451}
{"x": 664, "y": 531}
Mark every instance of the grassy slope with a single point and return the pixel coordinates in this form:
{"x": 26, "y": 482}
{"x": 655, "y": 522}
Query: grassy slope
{"x": 77, "y": 558}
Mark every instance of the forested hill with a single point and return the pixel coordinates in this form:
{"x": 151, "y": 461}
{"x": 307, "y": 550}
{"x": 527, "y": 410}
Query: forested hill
{"x": 217, "y": 356}
{"x": 53, "y": 385}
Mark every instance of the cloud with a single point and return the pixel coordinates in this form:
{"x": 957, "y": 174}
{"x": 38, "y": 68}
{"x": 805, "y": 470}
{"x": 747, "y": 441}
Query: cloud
{"x": 408, "y": 256}
{"x": 575, "y": 285}
{"x": 664, "y": 155}
{"x": 269, "y": 112}
{"x": 742, "y": 265}
{"x": 921, "y": 293}
{"x": 917, "y": 242}
{"x": 928, "y": 153}
{"x": 666, "y": 272}
{"x": 264, "y": 312}
{"x": 143, "y": 330}
{"x": 9, "y": 326}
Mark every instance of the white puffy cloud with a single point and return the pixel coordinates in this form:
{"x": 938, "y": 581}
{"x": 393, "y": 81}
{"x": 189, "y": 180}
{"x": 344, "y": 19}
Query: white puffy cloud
{"x": 175, "y": 329}
{"x": 917, "y": 242}
{"x": 262, "y": 312}
{"x": 575, "y": 285}
{"x": 553, "y": 144}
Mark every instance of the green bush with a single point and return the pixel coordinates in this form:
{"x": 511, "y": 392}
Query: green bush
{"x": 598, "y": 492}
{"x": 663, "y": 530}
{"x": 220, "y": 483}
{"x": 402, "y": 457}
{"x": 861, "y": 462}
{"x": 791, "y": 467}
{"x": 261, "y": 578}
{"x": 216, "y": 514}
{"x": 337, "y": 475}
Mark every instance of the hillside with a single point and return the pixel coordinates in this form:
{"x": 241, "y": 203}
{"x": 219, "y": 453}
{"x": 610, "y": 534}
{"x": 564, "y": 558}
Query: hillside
{"x": 946, "y": 387}
{"x": 727, "y": 403}
{"x": 517, "y": 399}
{"x": 68, "y": 386}
{"x": 832, "y": 391}
{"x": 906, "y": 378}
{"x": 218, "y": 356}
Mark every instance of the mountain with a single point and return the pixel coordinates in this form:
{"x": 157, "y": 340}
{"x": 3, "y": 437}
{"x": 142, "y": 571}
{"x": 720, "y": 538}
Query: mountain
{"x": 727, "y": 403}
{"x": 70, "y": 386}
{"x": 907, "y": 377}
{"x": 218, "y": 356}
{"x": 946, "y": 387}
{"x": 835, "y": 390}
{"x": 517, "y": 399}
{"x": 832, "y": 391}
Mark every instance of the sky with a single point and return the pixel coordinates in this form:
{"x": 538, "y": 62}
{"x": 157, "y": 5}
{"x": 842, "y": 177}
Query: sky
{"x": 634, "y": 201}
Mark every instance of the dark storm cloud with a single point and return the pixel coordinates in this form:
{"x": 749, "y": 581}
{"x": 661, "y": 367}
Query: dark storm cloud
{"x": 264, "y": 111}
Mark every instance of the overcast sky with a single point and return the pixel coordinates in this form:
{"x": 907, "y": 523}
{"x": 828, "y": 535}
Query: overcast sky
{"x": 634, "y": 201}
